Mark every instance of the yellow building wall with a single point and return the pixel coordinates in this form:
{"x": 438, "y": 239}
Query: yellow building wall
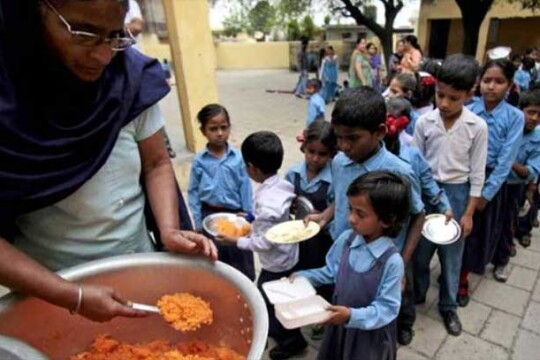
{"x": 260, "y": 55}
{"x": 455, "y": 41}
{"x": 519, "y": 33}
{"x": 448, "y": 9}
{"x": 151, "y": 46}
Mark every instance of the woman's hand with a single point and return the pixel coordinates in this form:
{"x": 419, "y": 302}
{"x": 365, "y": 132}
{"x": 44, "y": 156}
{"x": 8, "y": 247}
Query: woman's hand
{"x": 339, "y": 315}
{"x": 101, "y": 303}
{"x": 189, "y": 242}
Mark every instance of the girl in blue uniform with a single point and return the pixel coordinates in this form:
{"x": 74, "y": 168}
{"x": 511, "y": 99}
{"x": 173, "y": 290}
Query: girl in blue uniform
{"x": 312, "y": 178}
{"x": 329, "y": 74}
{"x": 219, "y": 182}
{"x": 505, "y": 130}
{"x": 367, "y": 270}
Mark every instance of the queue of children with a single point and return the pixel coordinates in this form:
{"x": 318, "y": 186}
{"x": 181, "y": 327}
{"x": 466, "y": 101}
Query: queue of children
{"x": 475, "y": 161}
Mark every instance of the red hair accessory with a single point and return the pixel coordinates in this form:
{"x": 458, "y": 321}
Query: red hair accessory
{"x": 427, "y": 80}
{"x": 395, "y": 124}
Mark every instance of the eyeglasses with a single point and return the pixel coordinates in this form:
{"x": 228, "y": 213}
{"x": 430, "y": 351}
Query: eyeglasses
{"x": 119, "y": 42}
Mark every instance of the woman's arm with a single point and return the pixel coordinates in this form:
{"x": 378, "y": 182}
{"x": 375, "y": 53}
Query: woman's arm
{"x": 21, "y": 273}
{"x": 160, "y": 186}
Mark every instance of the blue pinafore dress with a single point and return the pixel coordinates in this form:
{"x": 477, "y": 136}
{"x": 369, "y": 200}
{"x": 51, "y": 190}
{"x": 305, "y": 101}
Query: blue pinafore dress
{"x": 359, "y": 289}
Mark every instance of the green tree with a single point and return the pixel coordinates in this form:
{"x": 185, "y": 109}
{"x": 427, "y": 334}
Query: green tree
{"x": 362, "y": 13}
{"x": 235, "y": 23}
{"x": 262, "y": 17}
{"x": 288, "y": 10}
{"x": 327, "y": 20}
{"x": 293, "y": 30}
{"x": 308, "y": 27}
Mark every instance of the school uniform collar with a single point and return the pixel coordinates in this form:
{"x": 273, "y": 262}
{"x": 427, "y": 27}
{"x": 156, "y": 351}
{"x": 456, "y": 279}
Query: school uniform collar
{"x": 376, "y": 248}
{"x": 229, "y": 152}
{"x": 435, "y": 116}
{"x": 374, "y": 162}
{"x": 480, "y": 106}
{"x": 324, "y": 175}
{"x": 533, "y": 136}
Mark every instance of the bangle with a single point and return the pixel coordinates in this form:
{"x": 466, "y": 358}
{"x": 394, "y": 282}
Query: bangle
{"x": 79, "y": 302}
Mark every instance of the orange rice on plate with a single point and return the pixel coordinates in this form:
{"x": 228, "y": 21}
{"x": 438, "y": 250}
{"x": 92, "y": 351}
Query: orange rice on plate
{"x": 185, "y": 312}
{"x": 229, "y": 228}
{"x": 106, "y": 348}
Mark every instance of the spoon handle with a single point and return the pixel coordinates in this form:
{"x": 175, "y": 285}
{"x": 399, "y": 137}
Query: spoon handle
{"x": 144, "y": 307}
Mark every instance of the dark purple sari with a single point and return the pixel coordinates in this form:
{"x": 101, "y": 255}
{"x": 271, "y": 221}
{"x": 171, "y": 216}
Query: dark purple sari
{"x": 56, "y": 131}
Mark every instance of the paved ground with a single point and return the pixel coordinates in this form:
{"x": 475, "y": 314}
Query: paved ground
{"x": 501, "y": 322}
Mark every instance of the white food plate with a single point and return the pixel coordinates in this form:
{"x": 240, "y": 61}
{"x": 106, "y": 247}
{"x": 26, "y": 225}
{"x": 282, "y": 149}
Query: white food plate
{"x": 438, "y": 232}
{"x": 210, "y": 220}
{"x": 291, "y": 232}
{"x": 296, "y": 303}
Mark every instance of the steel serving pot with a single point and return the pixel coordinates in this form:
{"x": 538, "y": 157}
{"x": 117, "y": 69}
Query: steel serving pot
{"x": 240, "y": 315}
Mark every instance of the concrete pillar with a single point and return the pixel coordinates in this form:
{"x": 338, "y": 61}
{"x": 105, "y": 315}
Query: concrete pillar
{"x": 192, "y": 50}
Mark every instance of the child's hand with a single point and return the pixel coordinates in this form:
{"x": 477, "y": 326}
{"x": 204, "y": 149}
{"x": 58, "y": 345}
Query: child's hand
{"x": 229, "y": 240}
{"x": 318, "y": 218}
{"x": 339, "y": 315}
{"x": 466, "y": 224}
{"x": 449, "y": 215}
{"x": 481, "y": 204}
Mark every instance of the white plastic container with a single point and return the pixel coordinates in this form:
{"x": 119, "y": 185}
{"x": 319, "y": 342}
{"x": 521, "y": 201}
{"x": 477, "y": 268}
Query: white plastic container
{"x": 296, "y": 303}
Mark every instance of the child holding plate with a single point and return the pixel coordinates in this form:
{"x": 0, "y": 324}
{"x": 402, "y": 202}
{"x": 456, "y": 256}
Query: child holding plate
{"x": 263, "y": 155}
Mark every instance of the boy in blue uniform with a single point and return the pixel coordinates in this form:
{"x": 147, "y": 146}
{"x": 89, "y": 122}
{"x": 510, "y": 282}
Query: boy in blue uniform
{"x": 525, "y": 169}
{"x": 317, "y": 105}
{"x": 454, "y": 142}
{"x": 358, "y": 121}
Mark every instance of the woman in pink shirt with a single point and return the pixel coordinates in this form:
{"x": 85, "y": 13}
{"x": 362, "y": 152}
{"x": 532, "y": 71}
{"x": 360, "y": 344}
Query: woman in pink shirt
{"x": 412, "y": 56}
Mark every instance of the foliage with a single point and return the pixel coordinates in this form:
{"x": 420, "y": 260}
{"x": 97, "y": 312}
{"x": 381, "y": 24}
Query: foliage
{"x": 308, "y": 27}
{"x": 262, "y": 17}
{"x": 527, "y": 4}
{"x": 327, "y": 20}
{"x": 293, "y": 30}
{"x": 235, "y": 23}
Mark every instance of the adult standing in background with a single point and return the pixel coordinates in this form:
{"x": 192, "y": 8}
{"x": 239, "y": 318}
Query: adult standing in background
{"x": 359, "y": 67}
{"x": 375, "y": 61}
{"x": 134, "y": 22}
{"x": 395, "y": 61}
{"x": 412, "y": 55}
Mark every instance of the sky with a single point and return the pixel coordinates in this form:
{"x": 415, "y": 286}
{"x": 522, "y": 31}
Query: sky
{"x": 411, "y": 9}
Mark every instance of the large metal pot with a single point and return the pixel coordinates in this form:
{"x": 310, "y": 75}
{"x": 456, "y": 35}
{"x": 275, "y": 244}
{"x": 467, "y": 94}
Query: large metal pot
{"x": 240, "y": 315}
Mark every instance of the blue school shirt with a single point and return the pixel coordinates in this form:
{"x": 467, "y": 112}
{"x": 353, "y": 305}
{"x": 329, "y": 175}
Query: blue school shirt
{"x": 325, "y": 175}
{"x": 385, "y": 307}
{"x": 412, "y": 123}
{"x": 528, "y": 155}
{"x": 345, "y": 171}
{"x": 316, "y": 108}
{"x": 522, "y": 79}
{"x": 431, "y": 192}
{"x": 220, "y": 182}
{"x": 505, "y": 130}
